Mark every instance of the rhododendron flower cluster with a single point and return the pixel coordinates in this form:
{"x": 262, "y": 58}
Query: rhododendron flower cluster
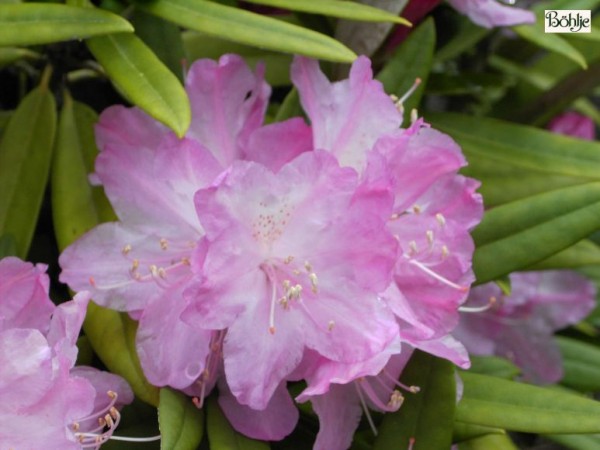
{"x": 46, "y": 402}
{"x": 520, "y": 326}
{"x": 254, "y": 255}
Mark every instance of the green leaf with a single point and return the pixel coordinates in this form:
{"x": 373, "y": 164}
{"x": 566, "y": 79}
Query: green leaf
{"x": 336, "y": 8}
{"x": 411, "y": 60}
{"x": 112, "y": 335}
{"x": 249, "y": 28}
{"x": 76, "y": 206}
{"x": 163, "y": 38}
{"x": 221, "y": 434}
{"x": 489, "y": 442}
{"x": 518, "y": 234}
{"x": 584, "y": 253}
{"x": 181, "y": 423}
{"x": 290, "y": 107}
{"x": 577, "y": 441}
{"x": 25, "y": 156}
{"x": 466, "y": 431}
{"x": 516, "y": 161}
{"x": 427, "y": 416}
{"x": 494, "y": 366}
{"x": 9, "y": 55}
{"x": 495, "y": 402}
{"x": 536, "y": 34}
{"x": 581, "y": 363}
{"x": 41, "y": 23}
{"x": 143, "y": 79}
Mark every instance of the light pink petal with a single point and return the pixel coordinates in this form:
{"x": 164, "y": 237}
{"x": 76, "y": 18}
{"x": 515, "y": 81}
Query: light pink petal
{"x": 154, "y": 187}
{"x": 273, "y": 423}
{"x": 492, "y": 13}
{"x": 278, "y": 143}
{"x": 172, "y": 353}
{"x": 24, "y": 301}
{"x": 65, "y": 327}
{"x": 573, "y": 124}
{"x": 228, "y": 103}
{"x": 446, "y": 347}
{"x": 339, "y": 414}
{"x": 115, "y": 263}
{"x": 103, "y": 382}
{"x": 253, "y": 380}
{"x": 347, "y": 117}
{"x": 25, "y": 368}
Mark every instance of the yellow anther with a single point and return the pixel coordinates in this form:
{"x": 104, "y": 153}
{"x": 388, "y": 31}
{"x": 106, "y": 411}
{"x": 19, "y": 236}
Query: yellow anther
{"x": 313, "y": 281}
{"x": 288, "y": 260}
{"x": 308, "y": 266}
{"x": 126, "y": 249}
{"x": 164, "y": 244}
{"x": 416, "y": 209}
{"x": 330, "y": 325}
{"x": 429, "y": 234}
{"x": 445, "y": 251}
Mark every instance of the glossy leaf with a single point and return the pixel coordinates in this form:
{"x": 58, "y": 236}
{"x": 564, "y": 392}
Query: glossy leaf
{"x": 143, "y": 79}
{"x": 76, "y": 205}
{"x": 39, "y": 23}
{"x": 466, "y": 431}
{"x": 518, "y": 234}
{"x": 494, "y": 366}
{"x": 336, "y": 8}
{"x": 427, "y": 416}
{"x": 577, "y": 441}
{"x": 516, "y": 161}
{"x": 581, "y": 363}
{"x": 164, "y": 38}
{"x": 25, "y": 156}
{"x": 553, "y": 42}
{"x": 112, "y": 335}
{"x": 181, "y": 423}
{"x": 411, "y": 60}
{"x": 221, "y": 434}
{"x": 9, "y": 55}
{"x": 495, "y": 402}
{"x": 584, "y": 253}
{"x": 249, "y": 28}
{"x": 489, "y": 442}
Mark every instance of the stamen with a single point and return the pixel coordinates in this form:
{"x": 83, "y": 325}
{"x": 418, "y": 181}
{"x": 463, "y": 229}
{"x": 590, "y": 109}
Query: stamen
{"x": 395, "y": 216}
{"x": 477, "y": 309}
{"x": 429, "y": 234}
{"x": 126, "y": 249}
{"x": 416, "y": 209}
{"x": 411, "y": 389}
{"x": 272, "y": 309}
{"x": 412, "y": 245}
{"x": 441, "y": 219}
{"x": 410, "y": 91}
{"x": 396, "y": 400}
{"x": 414, "y": 116}
{"x": 308, "y": 266}
{"x": 92, "y": 282}
{"x": 164, "y": 244}
{"x": 331, "y": 325}
{"x": 288, "y": 260}
{"x": 438, "y": 277}
{"x": 445, "y": 252}
{"x": 314, "y": 282}
{"x": 411, "y": 443}
{"x": 364, "y": 407}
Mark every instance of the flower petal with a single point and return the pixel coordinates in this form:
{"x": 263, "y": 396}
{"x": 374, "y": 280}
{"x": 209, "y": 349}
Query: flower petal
{"x": 492, "y": 13}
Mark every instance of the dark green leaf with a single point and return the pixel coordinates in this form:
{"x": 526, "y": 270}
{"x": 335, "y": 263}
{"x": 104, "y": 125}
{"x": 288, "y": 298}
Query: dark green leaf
{"x": 76, "y": 206}
{"x": 489, "y": 442}
{"x": 336, "y": 8}
{"x": 41, "y": 23}
{"x": 516, "y": 161}
{"x": 181, "y": 423}
{"x": 411, "y": 60}
{"x": 112, "y": 334}
{"x": 25, "y": 156}
{"x": 143, "y": 79}
{"x": 581, "y": 362}
{"x": 584, "y": 253}
{"x": 427, "y": 416}
{"x": 495, "y": 402}
{"x": 222, "y": 436}
{"x": 249, "y": 28}
{"x": 163, "y": 38}
{"x": 518, "y": 234}
{"x": 494, "y": 365}
{"x": 466, "y": 431}
{"x": 9, "y": 55}
{"x": 577, "y": 441}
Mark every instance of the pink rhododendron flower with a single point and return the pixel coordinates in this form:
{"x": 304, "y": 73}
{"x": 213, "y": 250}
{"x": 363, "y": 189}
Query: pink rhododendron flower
{"x": 45, "y": 402}
{"x": 318, "y": 249}
{"x": 573, "y": 124}
{"x": 519, "y": 327}
{"x": 492, "y": 13}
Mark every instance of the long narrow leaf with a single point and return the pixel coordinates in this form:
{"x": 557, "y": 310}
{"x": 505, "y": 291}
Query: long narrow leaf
{"x": 249, "y": 28}
{"x": 336, "y": 8}
{"x": 144, "y": 79}
{"x": 39, "y": 23}
{"x": 491, "y": 401}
